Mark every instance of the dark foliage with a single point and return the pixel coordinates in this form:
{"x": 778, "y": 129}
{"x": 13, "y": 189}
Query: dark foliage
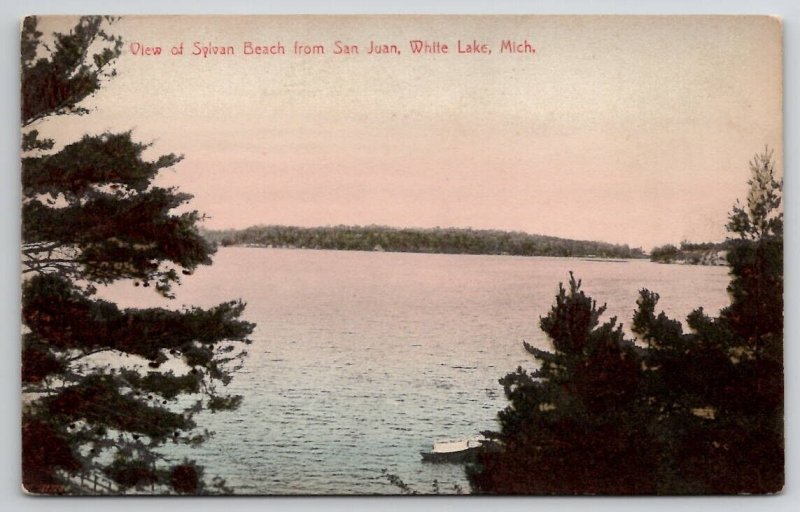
{"x": 706, "y": 253}
{"x": 55, "y": 310}
{"x": 573, "y": 425}
{"x": 679, "y": 413}
{"x": 438, "y": 240}
{"x": 666, "y": 253}
{"x": 91, "y": 215}
{"x": 46, "y": 449}
{"x": 185, "y": 479}
{"x": 56, "y": 85}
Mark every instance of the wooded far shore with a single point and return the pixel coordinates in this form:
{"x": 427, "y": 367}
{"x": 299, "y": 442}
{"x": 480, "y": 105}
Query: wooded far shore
{"x": 420, "y": 240}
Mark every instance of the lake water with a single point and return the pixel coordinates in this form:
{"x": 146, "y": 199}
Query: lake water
{"x": 362, "y": 359}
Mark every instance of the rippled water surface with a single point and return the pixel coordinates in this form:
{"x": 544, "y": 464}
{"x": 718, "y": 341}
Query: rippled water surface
{"x": 361, "y": 360}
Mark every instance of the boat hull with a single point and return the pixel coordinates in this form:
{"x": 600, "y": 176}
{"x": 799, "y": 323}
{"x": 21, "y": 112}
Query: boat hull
{"x": 458, "y": 457}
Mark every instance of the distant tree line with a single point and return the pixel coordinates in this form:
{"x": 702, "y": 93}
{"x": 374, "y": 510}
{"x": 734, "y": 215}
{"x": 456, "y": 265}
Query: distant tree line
{"x": 435, "y": 240}
{"x": 707, "y": 253}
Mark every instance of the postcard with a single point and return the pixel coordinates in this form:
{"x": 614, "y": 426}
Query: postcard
{"x": 395, "y": 254}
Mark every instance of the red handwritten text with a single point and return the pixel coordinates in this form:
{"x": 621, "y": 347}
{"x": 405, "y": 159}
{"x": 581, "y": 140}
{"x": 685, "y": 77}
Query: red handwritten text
{"x": 143, "y": 49}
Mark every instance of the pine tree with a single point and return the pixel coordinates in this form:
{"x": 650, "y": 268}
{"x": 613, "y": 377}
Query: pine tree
{"x": 699, "y": 411}
{"x": 574, "y": 424}
{"x": 91, "y": 215}
{"x": 720, "y": 386}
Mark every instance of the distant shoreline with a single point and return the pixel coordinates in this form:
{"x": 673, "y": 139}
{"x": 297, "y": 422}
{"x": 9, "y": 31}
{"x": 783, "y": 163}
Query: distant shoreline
{"x": 423, "y": 241}
{"x": 273, "y": 248}
{"x": 707, "y": 254}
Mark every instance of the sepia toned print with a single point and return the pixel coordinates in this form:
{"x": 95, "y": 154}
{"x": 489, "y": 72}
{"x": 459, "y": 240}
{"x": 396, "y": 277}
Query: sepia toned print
{"x": 334, "y": 255}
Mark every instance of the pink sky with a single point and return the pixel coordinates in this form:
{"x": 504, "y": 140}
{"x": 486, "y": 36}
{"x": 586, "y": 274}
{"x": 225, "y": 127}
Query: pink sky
{"x": 632, "y": 130}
